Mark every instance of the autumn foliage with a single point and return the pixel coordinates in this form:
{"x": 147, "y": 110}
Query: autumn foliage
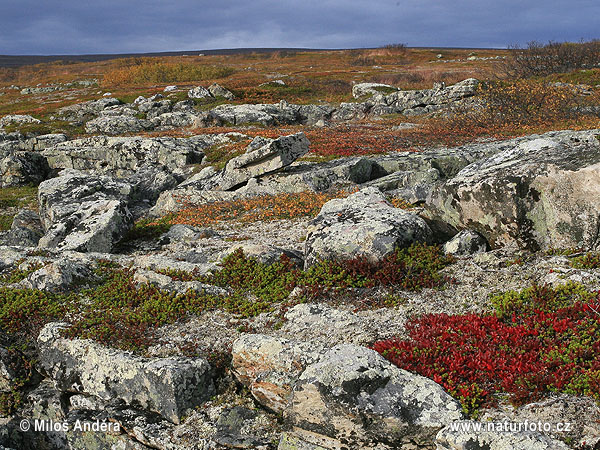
{"x": 542, "y": 340}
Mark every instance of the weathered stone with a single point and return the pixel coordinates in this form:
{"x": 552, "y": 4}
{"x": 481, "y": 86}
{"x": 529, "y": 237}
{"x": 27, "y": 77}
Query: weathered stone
{"x": 58, "y": 275}
{"x": 352, "y": 394}
{"x": 362, "y": 89}
{"x": 539, "y": 193}
{"x": 17, "y": 119}
{"x": 467, "y": 242}
{"x": 363, "y": 224}
{"x": 217, "y": 90}
{"x": 83, "y": 213}
{"x": 119, "y": 124}
{"x": 87, "y": 110}
{"x": 168, "y": 386}
{"x": 124, "y": 156}
{"x": 270, "y": 367}
{"x": 26, "y": 229}
{"x": 263, "y": 156}
{"x": 199, "y": 92}
{"x": 21, "y": 168}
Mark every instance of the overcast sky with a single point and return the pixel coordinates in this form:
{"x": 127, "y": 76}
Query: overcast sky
{"x": 134, "y": 26}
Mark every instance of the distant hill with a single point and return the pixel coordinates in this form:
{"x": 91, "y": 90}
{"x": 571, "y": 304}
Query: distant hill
{"x": 25, "y": 60}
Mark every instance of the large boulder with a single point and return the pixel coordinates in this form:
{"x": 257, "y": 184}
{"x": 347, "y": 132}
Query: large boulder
{"x": 355, "y": 396}
{"x": 22, "y": 168}
{"x": 541, "y": 192}
{"x": 26, "y": 229}
{"x": 263, "y": 156}
{"x": 82, "y": 212}
{"x": 363, "y": 224}
{"x": 362, "y": 89}
{"x": 124, "y": 156}
{"x": 167, "y": 386}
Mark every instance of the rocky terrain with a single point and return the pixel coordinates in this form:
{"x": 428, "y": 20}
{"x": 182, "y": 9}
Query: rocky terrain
{"x": 266, "y": 301}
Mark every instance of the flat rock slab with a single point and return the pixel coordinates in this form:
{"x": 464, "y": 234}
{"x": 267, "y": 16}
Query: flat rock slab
{"x": 167, "y": 386}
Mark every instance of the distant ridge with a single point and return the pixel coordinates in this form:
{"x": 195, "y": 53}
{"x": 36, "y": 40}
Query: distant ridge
{"x": 25, "y": 60}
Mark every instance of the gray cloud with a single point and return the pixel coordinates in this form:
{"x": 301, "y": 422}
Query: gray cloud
{"x": 121, "y": 26}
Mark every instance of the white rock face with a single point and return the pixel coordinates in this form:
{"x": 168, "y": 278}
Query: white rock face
{"x": 363, "y": 224}
{"x": 168, "y": 386}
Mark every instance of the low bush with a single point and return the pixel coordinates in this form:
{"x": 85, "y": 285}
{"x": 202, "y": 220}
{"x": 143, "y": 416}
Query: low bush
{"x": 539, "y": 59}
{"x": 254, "y": 209}
{"x": 162, "y": 72}
{"x": 542, "y": 340}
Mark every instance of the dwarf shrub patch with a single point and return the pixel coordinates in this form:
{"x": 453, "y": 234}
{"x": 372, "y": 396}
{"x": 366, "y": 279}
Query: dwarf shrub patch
{"x": 541, "y": 340}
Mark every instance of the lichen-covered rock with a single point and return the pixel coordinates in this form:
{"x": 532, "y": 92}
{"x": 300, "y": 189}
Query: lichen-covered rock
{"x": 361, "y": 89}
{"x": 26, "y": 229}
{"x": 22, "y": 168}
{"x": 263, "y": 156}
{"x": 87, "y": 110}
{"x": 539, "y": 193}
{"x": 216, "y": 90}
{"x": 449, "y": 439}
{"x": 199, "y": 92}
{"x": 354, "y": 395}
{"x": 270, "y": 367}
{"x": 118, "y": 124}
{"x": 167, "y": 386}
{"x": 363, "y": 224}
{"x": 467, "y": 242}
{"x": 124, "y": 156}
{"x": 83, "y": 213}
{"x": 17, "y": 119}
{"x": 58, "y": 275}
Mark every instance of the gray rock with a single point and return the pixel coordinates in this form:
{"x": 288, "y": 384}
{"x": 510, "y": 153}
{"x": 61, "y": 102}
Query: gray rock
{"x": 467, "y": 242}
{"x": 199, "y": 92}
{"x": 363, "y": 224}
{"x": 26, "y": 229}
{"x": 350, "y": 111}
{"x": 362, "y": 89}
{"x": 87, "y": 110}
{"x": 450, "y": 439}
{"x": 125, "y": 156}
{"x": 170, "y": 88}
{"x": 538, "y": 193}
{"x": 17, "y": 119}
{"x": 354, "y": 395}
{"x": 270, "y": 366}
{"x": 177, "y": 119}
{"x": 217, "y": 90}
{"x": 22, "y": 168}
{"x": 167, "y": 386}
{"x": 58, "y": 275}
{"x": 263, "y": 156}
{"x": 83, "y": 213}
{"x": 118, "y": 125}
